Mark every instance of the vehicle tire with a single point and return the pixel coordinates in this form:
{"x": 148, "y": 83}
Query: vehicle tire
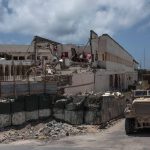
{"x": 129, "y": 125}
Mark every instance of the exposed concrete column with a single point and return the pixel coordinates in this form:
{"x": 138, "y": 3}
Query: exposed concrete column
{"x": 10, "y": 71}
{"x": 25, "y": 57}
{"x": 125, "y": 81}
{"x": 113, "y": 81}
{"x": 20, "y": 71}
{"x": 3, "y": 72}
{"x": 15, "y": 69}
{"x": 121, "y": 85}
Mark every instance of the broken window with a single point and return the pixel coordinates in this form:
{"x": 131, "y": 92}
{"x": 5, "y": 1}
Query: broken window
{"x": 15, "y": 58}
{"x": 38, "y": 57}
{"x": 18, "y": 70}
{"x": 21, "y": 58}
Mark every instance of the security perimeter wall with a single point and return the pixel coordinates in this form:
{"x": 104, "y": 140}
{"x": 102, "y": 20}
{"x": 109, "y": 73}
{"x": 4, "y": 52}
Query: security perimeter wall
{"x": 74, "y": 110}
{"x": 89, "y": 110}
{"x": 25, "y": 108}
{"x": 20, "y": 88}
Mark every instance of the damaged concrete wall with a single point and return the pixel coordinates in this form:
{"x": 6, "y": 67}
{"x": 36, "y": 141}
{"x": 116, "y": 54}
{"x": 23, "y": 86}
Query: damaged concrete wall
{"x": 112, "y": 107}
{"x": 18, "y": 111}
{"x": 25, "y": 108}
{"x": 5, "y": 117}
{"x": 18, "y": 88}
{"x": 45, "y": 106}
{"x": 92, "y": 114}
{"x": 76, "y": 110}
{"x": 89, "y": 110}
{"x": 31, "y": 107}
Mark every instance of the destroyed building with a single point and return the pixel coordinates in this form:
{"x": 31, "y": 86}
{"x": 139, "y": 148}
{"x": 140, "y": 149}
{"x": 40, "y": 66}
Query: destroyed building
{"x": 100, "y": 65}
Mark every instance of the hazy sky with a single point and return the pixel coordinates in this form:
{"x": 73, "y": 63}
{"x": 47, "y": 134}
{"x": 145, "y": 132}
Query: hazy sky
{"x": 69, "y": 21}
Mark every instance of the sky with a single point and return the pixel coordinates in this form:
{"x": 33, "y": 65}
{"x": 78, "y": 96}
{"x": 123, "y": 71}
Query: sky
{"x": 70, "y": 21}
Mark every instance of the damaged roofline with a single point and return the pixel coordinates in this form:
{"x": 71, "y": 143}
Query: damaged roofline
{"x": 120, "y": 46}
{"x": 41, "y": 39}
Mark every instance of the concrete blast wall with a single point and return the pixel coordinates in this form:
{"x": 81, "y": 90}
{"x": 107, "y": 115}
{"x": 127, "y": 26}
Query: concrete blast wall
{"x": 19, "y": 88}
{"x": 74, "y": 110}
{"x": 89, "y": 110}
{"x": 25, "y": 108}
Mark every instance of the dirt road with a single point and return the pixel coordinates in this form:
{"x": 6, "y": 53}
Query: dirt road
{"x": 113, "y": 138}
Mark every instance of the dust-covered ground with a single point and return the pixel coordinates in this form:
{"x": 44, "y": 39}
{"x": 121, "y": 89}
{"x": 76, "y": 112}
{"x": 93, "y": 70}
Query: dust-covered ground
{"x": 47, "y": 131}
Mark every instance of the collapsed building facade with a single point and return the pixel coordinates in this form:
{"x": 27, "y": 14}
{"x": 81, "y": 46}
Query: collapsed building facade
{"x": 101, "y": 65}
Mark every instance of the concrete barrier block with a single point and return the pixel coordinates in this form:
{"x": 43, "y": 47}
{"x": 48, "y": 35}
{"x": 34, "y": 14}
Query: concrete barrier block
{"x": 92, "y": 117}
{"x": 43, "y": 113}
{"x": 5, "y": 120}
{"x": 74, "y": 117}
{"x": 89, "y": 117}
{"x": 32, "y": 115}
{"x": 59, "y": 113}
{"x": 18, "y": 118}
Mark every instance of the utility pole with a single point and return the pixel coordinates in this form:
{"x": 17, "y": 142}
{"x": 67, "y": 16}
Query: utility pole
{"x": 144, "y": 58}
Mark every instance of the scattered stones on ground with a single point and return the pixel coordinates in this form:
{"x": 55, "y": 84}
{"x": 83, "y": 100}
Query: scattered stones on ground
{"x": 48, "y": 130}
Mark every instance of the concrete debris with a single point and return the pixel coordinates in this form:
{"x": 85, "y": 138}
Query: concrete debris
{"x": 57, "y": 130}
{"x": 116, "y": 94}
{"x": 62, "y": 80}
{"x": 51, "y": 130}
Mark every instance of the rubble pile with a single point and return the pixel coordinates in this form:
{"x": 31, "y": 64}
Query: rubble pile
{"x": 81, "y": 113}
{"x": 56, "y": 130}
{"x": 51, "y": 130}
{"x": 62, "y": 80}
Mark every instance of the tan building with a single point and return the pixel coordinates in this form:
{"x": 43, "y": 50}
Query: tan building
{"x": 120, "y": 67}
{"x": 21, "y": 57}
{"x": 115, "y": 67}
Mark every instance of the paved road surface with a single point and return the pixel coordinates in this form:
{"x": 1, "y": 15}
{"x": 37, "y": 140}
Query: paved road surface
{"x": 113, "y": 138}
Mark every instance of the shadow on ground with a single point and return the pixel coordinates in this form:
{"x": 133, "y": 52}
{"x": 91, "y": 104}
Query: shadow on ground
{"x": 141, "y": 133}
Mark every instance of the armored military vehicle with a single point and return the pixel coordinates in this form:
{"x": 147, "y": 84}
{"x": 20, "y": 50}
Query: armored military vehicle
{"x": 137, "y": 112}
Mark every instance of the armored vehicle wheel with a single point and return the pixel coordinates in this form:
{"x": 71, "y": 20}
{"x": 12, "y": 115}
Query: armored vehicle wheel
{"x": 129, "y": 125}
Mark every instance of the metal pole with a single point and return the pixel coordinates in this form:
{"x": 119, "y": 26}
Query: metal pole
{"x": 144, "y": 58}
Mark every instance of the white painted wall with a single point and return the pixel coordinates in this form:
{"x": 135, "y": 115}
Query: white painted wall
{"x": 101, "y": 82}
{"x": 79, "y": 82}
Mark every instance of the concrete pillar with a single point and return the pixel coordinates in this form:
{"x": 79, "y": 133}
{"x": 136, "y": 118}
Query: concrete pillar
{"x": 10, "y": 72}
{"x": 113, "y": 81}
{"x": 125, "y": 81}
{"x": 25, "y": 57}
{"x": 3, "y": 72}
{"x": 20, "y": 71}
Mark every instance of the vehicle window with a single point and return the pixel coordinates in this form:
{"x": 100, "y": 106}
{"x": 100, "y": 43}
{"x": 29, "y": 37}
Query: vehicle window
{"x": 140, "y": 93}
{"x": 148, "y": 92}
